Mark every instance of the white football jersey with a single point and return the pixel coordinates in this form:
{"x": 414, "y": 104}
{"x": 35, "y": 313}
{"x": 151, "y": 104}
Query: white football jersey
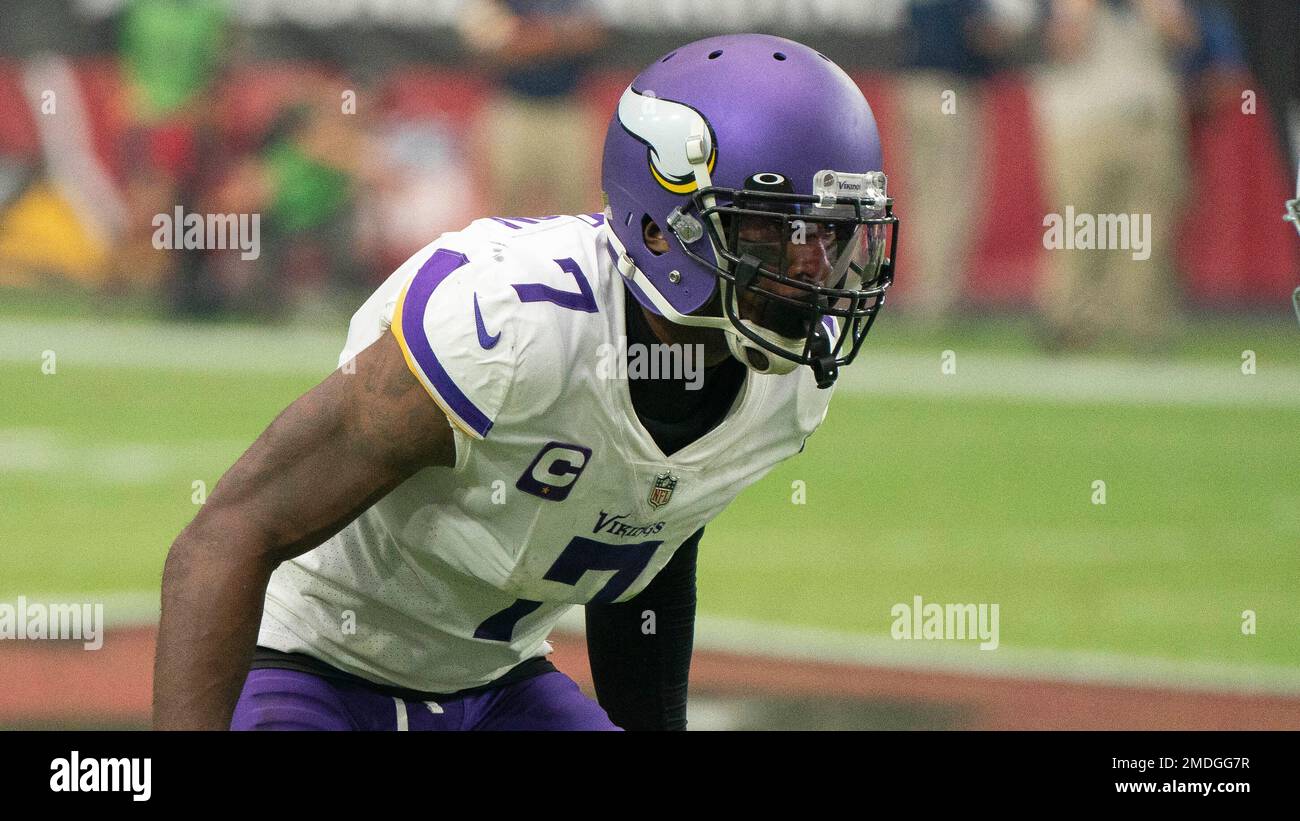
{"x": 558, "y": 496}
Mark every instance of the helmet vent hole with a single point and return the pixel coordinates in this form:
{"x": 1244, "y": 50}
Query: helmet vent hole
{"x": 668, "y": 56}
{"x": 823, "y": 56}
{"x": 715, "y": 55}
{"x": 778, "y": 56}
{"x": 628, "y": 221}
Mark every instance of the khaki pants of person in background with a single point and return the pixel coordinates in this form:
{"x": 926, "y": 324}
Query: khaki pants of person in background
{"x": 1131, "y": 166}
{"x": 1113, "y": 143}
{"x": 541, "y": 157}
{"x": 944, "y": 153}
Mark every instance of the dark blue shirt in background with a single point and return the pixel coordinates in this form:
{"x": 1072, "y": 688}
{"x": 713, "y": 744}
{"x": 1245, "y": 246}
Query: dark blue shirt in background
{"x": 1220, "y": 45}
{"x": 555, "y": 77}
{"x": 940, "y": 40}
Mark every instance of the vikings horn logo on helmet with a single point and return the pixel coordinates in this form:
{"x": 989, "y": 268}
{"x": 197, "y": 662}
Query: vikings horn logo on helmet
{"x": 665, "y": 127}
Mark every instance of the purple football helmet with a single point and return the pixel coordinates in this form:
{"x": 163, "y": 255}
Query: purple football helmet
{"x": 759, "y": 159}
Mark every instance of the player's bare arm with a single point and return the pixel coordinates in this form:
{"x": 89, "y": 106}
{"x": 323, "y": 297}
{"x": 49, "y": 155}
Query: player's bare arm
{"x": 327, "y": 457}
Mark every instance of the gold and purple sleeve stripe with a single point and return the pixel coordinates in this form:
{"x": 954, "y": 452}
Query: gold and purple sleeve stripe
{"x": 408, "y": 327}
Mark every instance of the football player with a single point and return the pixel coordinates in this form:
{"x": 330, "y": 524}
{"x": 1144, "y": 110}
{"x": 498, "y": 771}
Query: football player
{"x": 393, "y": 551}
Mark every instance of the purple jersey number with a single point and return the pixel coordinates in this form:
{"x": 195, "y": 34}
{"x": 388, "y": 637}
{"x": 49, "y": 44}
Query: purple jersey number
{"x": 583, "y": 300}
{"x": 579, "y": 557}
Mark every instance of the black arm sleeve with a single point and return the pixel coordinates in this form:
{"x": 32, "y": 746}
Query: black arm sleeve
{"x": 640, "y": 676}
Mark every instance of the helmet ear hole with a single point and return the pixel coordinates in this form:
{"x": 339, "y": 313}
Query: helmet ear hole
{"x": 653, "y": 236}
{"x": 757, "y": 359}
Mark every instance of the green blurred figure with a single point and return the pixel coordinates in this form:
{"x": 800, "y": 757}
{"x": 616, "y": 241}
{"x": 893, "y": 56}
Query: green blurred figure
{"x": 172, "y": 54}
{"x": 171, "y": 51}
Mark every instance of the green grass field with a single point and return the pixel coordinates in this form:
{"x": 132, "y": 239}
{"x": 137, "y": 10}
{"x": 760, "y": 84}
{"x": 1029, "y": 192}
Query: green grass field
{"x": 991, "y": 502}
{"x": 956, "y": 499}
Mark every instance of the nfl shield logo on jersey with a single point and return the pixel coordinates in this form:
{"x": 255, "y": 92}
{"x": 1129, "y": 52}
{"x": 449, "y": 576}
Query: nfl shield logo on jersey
{"x": 662, "y": 491}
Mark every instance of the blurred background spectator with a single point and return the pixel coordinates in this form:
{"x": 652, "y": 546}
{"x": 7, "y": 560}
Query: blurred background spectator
{"x": 171, "y": 59}
{"x": 537, "y": 135}
{"x": 953, "y": 47}
{"x": 61, "y": 214}
{"x": 1270, "y": 30}
{"x": 1114, "y": 142}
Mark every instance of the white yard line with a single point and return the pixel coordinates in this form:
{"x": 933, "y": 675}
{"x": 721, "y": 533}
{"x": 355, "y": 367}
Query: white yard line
{"x": 1016, "y": 377}
{"x": 785, "y": 642}
{"x": 122, "y": 609}
{"x": 791, "y": 643}
{"x": 1073, "y": 380}
{"x": 198, "y": 348}
{"x": 51, "y": 452}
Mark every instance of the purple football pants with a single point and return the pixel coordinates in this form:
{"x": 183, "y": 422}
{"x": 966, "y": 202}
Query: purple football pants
{"x": 275, "y": 699}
